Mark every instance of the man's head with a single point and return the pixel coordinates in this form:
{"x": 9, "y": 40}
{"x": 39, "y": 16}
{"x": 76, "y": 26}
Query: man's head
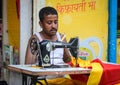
{"x": 48, "y": 20}
{"x": 46, "y": 11}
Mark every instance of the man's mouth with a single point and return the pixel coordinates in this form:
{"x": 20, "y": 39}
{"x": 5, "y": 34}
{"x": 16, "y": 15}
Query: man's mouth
{"x": 53, "y": 30}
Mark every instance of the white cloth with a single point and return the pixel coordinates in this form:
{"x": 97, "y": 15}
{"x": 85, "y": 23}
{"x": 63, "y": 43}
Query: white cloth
{"x": 56, "y": 56}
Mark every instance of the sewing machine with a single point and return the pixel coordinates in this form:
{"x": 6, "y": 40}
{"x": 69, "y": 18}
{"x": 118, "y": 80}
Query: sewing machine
{"x": 42, "y": 50}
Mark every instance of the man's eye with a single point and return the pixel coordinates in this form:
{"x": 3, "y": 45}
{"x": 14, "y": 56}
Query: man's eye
{"x": 49, "y": 22}
{"x": 56, "y": 22}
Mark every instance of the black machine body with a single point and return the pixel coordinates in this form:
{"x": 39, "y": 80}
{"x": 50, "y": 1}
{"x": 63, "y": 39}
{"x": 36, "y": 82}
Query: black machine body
{"x": 46, "y": 46}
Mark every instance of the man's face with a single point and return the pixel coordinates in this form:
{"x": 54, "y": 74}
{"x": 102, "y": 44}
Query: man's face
{"x": 50, "y": 24}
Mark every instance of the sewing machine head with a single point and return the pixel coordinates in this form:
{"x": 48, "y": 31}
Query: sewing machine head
{"x": 45, "y": 47}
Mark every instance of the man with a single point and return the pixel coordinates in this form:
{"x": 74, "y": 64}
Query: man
{"x": 49, "y": 23}
{"x": 48, "y": 17}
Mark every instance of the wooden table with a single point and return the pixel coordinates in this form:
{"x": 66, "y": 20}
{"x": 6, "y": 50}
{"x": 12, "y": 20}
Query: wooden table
{"x": 34, "y": 72}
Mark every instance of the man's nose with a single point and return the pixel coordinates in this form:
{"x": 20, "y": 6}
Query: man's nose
{"x": 54, "y": 25}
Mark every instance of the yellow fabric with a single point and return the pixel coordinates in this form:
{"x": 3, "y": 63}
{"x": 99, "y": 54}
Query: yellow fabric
{"x": 82, "y": 63}
{"x": 94, "y": 78}
{"x": 95, "y": 74}
{"x": 62, "y": 81}
{"x": 58, "y": 81}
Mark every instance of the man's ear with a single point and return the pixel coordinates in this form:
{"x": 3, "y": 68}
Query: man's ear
{"x": 40, "y": 23}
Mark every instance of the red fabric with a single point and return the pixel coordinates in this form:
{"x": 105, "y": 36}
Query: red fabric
{"x": 111, "y": 73}
{"x": 80, "y": 77}
{"x": 110, "y": 76}
{"x": 70, "y": 63}
{"x": 18, "y": 7}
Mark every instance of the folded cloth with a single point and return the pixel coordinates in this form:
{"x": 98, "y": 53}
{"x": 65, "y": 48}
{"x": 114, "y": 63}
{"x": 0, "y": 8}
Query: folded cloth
{"x": 95, "y": 74}
{"x": 102, "y": 73}
{"x": 88, "y": 79}
{"x": 111, "y": 73}
{"x": 58, "y": 81}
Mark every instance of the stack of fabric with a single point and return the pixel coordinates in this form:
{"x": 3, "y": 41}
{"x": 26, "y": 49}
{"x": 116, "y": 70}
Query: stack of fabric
{"x": 102, "y": 73}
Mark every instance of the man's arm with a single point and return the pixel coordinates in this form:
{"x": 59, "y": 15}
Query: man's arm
{"x": 66, "y": 56}
{"x": 29, "y": 57}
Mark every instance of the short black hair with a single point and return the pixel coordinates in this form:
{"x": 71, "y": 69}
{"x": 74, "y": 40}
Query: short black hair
{"x": 46, "y": 11}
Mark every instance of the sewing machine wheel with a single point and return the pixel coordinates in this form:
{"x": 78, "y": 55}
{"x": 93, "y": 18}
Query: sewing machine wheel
{"x": 33, "y": 46}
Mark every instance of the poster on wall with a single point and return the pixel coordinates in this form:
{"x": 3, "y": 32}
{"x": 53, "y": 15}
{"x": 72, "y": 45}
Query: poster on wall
{"x": 86, "y": 19}
{"x": 8, "y": 53}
